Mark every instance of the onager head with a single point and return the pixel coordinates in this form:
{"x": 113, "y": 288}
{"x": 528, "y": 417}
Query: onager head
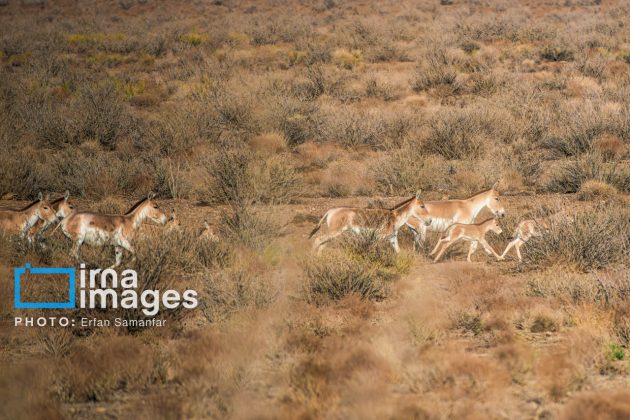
{"x": 153, "y": 211}
{"x": 494, "y": 203}
{"x": 419, "y": 209}
{"x": 496, "y": 227}
{"x": 65, "y": 207}
{"x": 44, "y": 210}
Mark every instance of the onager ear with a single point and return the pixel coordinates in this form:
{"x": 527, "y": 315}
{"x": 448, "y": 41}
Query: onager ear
{"x": 66, "y": 195}
{"x": 495, "y": 185}
{"x": 48, "y": 197}
{"x": 418, "y": 194}
{"x": 40, "y": 196}
{"x": 151, "y": 195}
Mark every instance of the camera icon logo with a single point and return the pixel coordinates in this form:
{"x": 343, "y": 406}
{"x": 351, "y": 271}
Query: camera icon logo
{"x": 18, "y": 272}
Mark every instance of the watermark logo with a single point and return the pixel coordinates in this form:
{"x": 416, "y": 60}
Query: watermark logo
{"x": 20, "y": 272}
{"x": 98, "y": 288}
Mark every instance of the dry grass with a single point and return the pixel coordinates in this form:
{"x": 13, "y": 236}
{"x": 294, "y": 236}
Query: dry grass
{"x": 257, "y": 118}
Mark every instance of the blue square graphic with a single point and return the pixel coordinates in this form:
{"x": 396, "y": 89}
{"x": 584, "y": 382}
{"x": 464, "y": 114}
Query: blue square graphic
{"x": 17, "y": 274}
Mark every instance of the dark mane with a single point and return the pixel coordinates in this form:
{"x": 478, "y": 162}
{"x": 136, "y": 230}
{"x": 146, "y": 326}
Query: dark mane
{"x": 29, "y": 205}
{"x": 479, "y": 193}
{"x": 135, "y": 206}
{"x": 399, "y": 205}
{"x": 58, "y": 200}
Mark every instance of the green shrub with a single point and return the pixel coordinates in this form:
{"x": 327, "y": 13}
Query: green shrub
{"x": 615, "y": 352}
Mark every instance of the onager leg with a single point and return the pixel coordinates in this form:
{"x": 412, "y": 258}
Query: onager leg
{"x": 489, "y": 249}
{"x": 518, "y": 250}
{"x": 319, "y": 243}
{"x": 74, "y": 252}
{"x": 448, "y": 243}
{"x": 118, "y": 252}
{"x": 439, "y": 243}
{"x": 419, "y": 237}
{"x": 393, "y": 239}
{"x": 472, "y": 249}
{"x": 510, "y": 246}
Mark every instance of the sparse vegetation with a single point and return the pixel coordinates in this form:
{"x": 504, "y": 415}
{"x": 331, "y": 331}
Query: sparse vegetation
{"x": 250, "y": 119}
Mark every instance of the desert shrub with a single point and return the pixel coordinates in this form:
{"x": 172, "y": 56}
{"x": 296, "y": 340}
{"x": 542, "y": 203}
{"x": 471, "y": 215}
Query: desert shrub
{"x": 241, "y": 177}
{"x": 607, "y": 290}
{"x": 571, "y": 175}
{"x": 469, "y": 322}
{"x": 104, "y": 116}
{"x": 94, "y": 372}
{"x": 295, "y": 119}
{"x": 577, "y": 130}
{"x": 242, "y": 226}
{"x": 543, "y": 323}
{"x": 403, "y": 171}
{"x": 455, "y": 135}
{"x": 430, "y": 75}
{"x": 229, "y": 178}
{"x": 333, "y": 278}
{"x": 171, "y": 178}
{"x": 235, "y": 289}
{"x": 609, "y": 147}
{"x": 593, "y": 189}
{"x": 556, "y": 53}
{"x": 364, "y": 265}
{"x": 347, "y": 59}
{"x": 353, "y": 129}
{"x": 275, "y": 180}
{"x": 384, "y": 91}
{"x": 596, "y": 239}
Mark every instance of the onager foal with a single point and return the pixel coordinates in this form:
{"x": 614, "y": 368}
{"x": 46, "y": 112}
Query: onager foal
{"x": 529, "y": 228}
{"x": 385, "y": 222}
{"x": 109, "y": 229}
{"x": 447, "y": 212}
{"x": 21, "y": 221}
{"x": 473, "y": 233}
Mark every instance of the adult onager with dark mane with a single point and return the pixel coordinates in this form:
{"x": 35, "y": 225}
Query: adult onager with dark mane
{"x": 447, "y": 212}
{"x": 385, "y": 222}
{"x": 21, "y": 221}
{"x": 62, "y": 208}
{"x": 109, "y": 229}
{"x": 473, "y": 233}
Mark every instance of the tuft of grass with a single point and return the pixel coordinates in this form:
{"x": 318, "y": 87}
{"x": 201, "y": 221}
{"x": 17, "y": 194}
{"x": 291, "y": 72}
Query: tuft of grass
{"x": 347, "y": 59}
{"x": 556, "y": 53}
{"x": 594, "y": 189}
{"x": 193, "y": 38}
{"x": 363, "y": 265}
{"x": 543, "y": 323}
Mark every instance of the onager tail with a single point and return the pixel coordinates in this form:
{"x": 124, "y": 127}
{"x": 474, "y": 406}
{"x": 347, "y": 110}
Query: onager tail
{"x": 319, "y": 225}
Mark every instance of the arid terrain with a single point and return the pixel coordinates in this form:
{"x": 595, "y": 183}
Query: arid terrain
{"x": 256, "y": 118}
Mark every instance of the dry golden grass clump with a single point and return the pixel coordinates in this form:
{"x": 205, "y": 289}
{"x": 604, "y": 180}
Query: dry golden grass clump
{"x": 593, "y": 189}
